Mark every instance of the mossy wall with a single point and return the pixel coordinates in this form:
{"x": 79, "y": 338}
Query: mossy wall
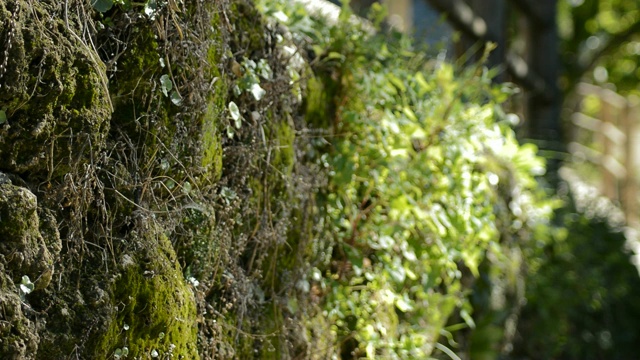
{"x": 132, "y": 223}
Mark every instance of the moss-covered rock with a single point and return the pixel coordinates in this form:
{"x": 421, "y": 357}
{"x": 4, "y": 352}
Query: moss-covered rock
{"x": 55, "y": 95}
{"x": 23, "y": 248}
{"x": 155, "y": 307}
{"x": 30, "y": 244}
{"x": 18, "y": 335}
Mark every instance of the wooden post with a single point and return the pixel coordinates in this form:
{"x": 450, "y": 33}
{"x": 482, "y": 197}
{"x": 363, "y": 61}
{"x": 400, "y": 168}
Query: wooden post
{"x": 400, "y": 14}
{"x": 608, "y": 178}
{"x": 630, "y": 187}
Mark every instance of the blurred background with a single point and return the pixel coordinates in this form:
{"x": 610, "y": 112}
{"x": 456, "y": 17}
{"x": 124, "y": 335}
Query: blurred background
{"x": 576, "y": 63}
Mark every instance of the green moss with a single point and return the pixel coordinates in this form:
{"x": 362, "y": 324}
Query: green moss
{"x": 55, "y": 97}
{"x": 211, "y": 124}
{"x": 284, "y": 154}
{"x": 280, "y": 157}
{"x": 196, "y": 244}
{"x": 134, "y": 92}
{"x": 211, "y": 144}
{"x": 155, "y": 307}
{"x": 249, "y": 33}
{"x": 28, "y": 247}
{"x": 23, "y": 247}
{"x": 144, "y": 112}
{"x": 319, "y": 101}
{"x": 269, "y": 192}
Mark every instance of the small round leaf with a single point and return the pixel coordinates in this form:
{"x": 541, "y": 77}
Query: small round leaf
{"x": 165, "y": 84}
{"x": 257, "y": 91}
{"x": 175, "y": 98}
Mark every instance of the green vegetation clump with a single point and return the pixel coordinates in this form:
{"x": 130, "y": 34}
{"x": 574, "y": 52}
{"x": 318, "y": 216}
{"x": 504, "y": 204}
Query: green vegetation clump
{"x": 429, "y": 203}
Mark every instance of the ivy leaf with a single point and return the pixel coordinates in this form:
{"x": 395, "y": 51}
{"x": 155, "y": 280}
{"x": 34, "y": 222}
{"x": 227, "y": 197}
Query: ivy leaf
{"x": 397, "y": 82}
{"x": 280, "y": 16}
{"x": 26, "y": 286}
{"x": 404, "y": 304}
{"x": 151, "y": 8}
{"x": 170, "y": 184}
{"x": 354, "y": 255}
{"x": 164, "y": 164}
{"x": 264, "y": 69}
{"x": 228, "y": 194}
{"x": 165, "y": 84}
{"x": 257, "y": 92}
{"x": 186, "y": 188}
{"x": 175, "y": 98}
{"x": 234, "y": 111}
{"x": 335, "y": 56}
{"x": 102, "y": 5}
{"x": 3, "y": 117}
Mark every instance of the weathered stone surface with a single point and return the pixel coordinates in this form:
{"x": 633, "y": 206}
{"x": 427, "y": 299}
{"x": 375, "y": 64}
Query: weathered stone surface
{"x": 18, "y": 336}
{"x": 23, "y": 248}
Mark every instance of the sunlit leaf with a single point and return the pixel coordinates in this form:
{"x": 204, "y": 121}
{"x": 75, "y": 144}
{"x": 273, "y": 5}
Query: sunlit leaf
{"x": 234, "y": 111}
{"x": 165, "y": 84}
{"x": 257, "y": 92}
{"x": 175, "y": 98}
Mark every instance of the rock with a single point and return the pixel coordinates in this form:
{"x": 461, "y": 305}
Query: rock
{"x": 23, "y": 248}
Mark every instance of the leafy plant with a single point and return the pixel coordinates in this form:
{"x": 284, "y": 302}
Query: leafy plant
{"x": 427, "y": 180}
{"x": 249, "y": 74}
{"x": 166, "y": 86}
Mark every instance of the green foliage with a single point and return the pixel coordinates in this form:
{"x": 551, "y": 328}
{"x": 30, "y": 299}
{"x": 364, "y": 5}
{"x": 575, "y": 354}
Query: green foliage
{"x": 250, "y": 74}
{"x": 420, "y": 155}
{"x": 601, "y": 39}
